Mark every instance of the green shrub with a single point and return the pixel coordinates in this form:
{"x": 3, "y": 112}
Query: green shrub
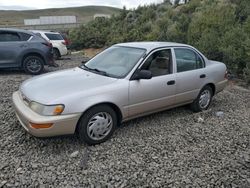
{"x": 218, "y": 28}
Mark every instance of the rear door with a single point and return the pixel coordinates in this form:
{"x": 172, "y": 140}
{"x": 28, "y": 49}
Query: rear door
{"x": 190, "y": 76}
{"x": 157, "y": 93}
{"x": 11, "y": 46}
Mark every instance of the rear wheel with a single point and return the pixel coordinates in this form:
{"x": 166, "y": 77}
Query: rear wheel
{"x": 203, "y": 100}
{"x": 56, "y": 53}
{"x": 33, "y": 65}
{"x": 97, "y": 125}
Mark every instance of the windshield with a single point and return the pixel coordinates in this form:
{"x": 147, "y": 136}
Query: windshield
{"x": 116, "y": 61}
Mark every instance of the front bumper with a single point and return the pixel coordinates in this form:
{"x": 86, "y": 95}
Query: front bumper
{"x": 62, "y": 124}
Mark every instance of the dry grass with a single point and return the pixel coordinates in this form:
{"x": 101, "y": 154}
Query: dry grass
{"x": 91, "y": 52}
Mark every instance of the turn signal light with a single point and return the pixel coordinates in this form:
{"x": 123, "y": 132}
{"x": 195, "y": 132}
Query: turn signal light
{"x": 58, "y": 110}
{"x": 41, "y": 126}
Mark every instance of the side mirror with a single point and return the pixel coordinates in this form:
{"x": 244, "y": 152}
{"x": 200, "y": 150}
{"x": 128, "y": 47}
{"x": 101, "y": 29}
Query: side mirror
{"x": 85, "y": 60}
{"x": 142, "y": 74}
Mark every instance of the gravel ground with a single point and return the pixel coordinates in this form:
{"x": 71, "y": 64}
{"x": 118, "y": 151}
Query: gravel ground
{"x": 174, "y": 148}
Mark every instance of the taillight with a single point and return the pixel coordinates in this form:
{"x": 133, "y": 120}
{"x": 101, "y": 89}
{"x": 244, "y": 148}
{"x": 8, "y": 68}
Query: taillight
{"x": 64, "y": 43}
{"x": 47, "y": 44}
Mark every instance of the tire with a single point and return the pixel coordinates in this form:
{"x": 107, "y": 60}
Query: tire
{"x": 97, "y": 125}
{"x": 56, "y": 53}
{"x": 200, "y": 104}
{"x": 33, "y": 65}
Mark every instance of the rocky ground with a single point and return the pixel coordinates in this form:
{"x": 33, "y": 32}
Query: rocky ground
{"x": 174, "y": 148}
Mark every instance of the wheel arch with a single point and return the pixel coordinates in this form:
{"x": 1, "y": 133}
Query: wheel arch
{"x": 110, "y": 104}
{"x": 57, "y": 49}
{"x": 212, "y": 85}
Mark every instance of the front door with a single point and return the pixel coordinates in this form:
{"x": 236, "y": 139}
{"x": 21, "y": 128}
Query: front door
{"x": 146, "y": 96}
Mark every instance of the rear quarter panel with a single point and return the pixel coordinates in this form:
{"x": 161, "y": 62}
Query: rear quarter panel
{"x": 216, "y": 74}
{"x": 38, "y": 48}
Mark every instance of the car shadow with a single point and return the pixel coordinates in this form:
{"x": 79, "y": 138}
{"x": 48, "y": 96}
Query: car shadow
{"x": 64, "y": 58}
{"x": 176, "y": 112}
{"x": 7, "y": 71}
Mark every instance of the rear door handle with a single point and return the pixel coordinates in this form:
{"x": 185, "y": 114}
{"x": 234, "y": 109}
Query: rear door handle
{"x": 203, "y": 76}
{"x": 171, "y": 82}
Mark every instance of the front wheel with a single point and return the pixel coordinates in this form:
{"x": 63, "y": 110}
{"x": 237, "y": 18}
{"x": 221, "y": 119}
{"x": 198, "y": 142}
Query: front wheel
{"x": 97, "y": 125}
{"x": 33, "y": 65}
{"x": 203, "y": 100}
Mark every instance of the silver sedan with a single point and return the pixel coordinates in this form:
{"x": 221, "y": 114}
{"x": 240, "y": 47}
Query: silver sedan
{"x": 123, "y": 82}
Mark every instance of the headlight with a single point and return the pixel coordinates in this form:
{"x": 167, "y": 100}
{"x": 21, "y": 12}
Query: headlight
{"x": 46, "y": 110}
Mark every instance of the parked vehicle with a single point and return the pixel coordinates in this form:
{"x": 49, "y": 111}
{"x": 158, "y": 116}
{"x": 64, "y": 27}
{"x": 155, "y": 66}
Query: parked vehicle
{"x": 58, "y": 43}
{"x": 123, "y": 82}
{"x": 23, "y": 49}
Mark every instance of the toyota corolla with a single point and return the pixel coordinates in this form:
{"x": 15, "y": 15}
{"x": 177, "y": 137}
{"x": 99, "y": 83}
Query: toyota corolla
{"x": 123, "y": 82}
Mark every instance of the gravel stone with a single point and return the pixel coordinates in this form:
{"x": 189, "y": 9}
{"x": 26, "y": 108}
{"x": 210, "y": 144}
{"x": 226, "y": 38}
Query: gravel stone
{"x": 219, "y": 114}
{"x": 19, "y": 170}
{"x": 3, "y": 183}
{"x": 74, "y": 154}
{"x": 174, "y": 148}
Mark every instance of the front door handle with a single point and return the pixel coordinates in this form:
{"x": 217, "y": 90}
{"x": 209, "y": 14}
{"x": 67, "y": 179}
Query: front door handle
{"x": 171, "y": 82}
{"x": 203, "y": 76}
{"x": 23, "y": 46}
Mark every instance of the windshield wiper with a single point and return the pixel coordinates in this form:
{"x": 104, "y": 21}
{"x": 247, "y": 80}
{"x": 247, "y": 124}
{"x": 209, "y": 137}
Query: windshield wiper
{"x": 96, "y": 70}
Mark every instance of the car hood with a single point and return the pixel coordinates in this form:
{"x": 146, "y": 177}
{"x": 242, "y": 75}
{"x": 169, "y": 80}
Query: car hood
{"x": 52, "y": 86}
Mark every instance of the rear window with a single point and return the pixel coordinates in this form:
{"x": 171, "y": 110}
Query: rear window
{"x": 52, "y": 36}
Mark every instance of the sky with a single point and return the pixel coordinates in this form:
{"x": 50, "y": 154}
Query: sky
{"x": 42, "y": 4}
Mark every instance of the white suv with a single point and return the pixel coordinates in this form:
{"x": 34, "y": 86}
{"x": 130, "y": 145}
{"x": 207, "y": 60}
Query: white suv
{"x": 57, "y": 41}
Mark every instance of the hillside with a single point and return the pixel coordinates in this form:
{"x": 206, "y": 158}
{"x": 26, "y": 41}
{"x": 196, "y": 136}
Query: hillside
{"x": 84, "y": 14}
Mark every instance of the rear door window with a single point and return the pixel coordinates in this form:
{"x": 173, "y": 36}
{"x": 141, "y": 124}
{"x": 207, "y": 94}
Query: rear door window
{"x": 25, "y": 36}
{"x": 9, "y": 37}
{"x": 52, "y": 36}
{"x": 187, "y": 60}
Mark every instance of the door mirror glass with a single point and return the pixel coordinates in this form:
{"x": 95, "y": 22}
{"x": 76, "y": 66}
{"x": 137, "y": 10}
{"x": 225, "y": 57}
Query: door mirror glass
{"x": 142, "y": 75}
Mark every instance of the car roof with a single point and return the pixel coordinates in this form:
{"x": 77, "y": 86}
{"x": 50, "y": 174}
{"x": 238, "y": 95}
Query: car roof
{"x": 40, "y": 31}
{"x": 149, "y": 46}
{"x": 16, "y": 30}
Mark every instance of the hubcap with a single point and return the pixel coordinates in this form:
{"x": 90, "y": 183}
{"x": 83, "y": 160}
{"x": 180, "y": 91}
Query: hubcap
{"x": 34, "y": 65}
{"x": 99, "y": 126}
{"x": 205, "y": 99}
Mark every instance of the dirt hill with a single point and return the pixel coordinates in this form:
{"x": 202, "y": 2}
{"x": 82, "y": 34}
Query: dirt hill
{"x": 84, "y": 14}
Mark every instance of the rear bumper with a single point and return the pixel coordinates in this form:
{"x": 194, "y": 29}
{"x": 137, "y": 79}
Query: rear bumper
{"x": 62, "y": 125}
{"x": 220, "y": 86}
{"x": 63, "y": 51}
